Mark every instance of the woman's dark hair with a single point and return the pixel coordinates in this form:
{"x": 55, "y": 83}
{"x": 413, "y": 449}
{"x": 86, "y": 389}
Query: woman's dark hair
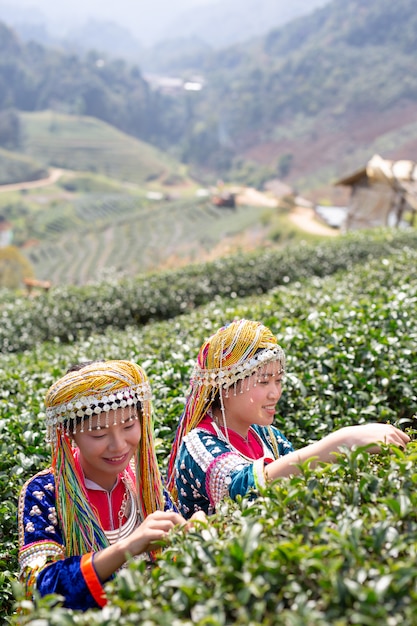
{"x": 76, "y": 367}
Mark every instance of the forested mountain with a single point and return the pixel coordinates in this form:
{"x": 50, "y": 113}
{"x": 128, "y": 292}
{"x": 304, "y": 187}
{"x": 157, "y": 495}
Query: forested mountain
{"x": 34, "y": 78}
{"x": 324, "y": 90}
{"x": 308, "y": 101}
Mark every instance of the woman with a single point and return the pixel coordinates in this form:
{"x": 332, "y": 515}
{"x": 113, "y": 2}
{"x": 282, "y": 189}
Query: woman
{"x": 102, "y": 500}
{"x": 226, "y": 444}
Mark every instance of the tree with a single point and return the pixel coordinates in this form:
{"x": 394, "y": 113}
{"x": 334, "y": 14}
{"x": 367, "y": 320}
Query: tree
{"x": 284, "y": 164}
{"x": 14, "y": 268}
{"x": 9, "y": 129}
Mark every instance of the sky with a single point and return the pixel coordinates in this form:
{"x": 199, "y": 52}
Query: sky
{"x": 219, "y": 23}
{"x": 141, "y": 17}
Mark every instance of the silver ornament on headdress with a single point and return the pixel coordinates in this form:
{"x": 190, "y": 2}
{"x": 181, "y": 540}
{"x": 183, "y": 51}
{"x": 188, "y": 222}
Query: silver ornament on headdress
{"x": 226, "y": 376}
{"x": 80, "y": 408}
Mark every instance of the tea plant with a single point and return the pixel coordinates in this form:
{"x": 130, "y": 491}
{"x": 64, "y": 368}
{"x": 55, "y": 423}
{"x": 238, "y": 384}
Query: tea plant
{"x": 334, "y": 545}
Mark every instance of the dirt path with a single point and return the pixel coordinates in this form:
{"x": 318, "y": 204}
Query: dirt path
{"x": 253, "y": 197}
{"x": 33, "y": 184}
{"x": 305, "y": 218}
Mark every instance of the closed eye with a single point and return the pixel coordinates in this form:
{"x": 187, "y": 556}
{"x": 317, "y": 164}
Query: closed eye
{"x": 98, "y": 434}
{"x": 265, "y": 381}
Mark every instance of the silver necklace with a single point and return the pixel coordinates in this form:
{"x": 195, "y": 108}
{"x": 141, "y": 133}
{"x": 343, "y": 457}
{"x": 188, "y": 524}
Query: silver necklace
{"x": 129, "y": 510}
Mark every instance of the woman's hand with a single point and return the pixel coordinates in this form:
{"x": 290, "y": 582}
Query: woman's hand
{"x": 196, "y": 519}
{"x": 373, "y": 433}
{"x": 154, "y": 528}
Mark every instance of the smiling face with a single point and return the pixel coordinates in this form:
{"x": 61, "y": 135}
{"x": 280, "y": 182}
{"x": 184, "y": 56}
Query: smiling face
{"x": 255, "y": 400}
{"x": 106, "y": 452}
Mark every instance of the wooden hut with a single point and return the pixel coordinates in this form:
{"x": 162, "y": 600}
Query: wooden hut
{"x": 382, "y": 193}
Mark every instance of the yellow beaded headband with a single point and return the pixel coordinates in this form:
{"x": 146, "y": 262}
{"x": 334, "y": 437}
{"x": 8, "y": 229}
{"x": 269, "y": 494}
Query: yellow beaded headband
{"x": 98, "y": 388}
{"x": 82, "y": 395}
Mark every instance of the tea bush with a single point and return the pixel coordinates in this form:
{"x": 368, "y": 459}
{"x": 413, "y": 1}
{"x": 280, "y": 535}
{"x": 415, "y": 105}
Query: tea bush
{"x": 66, "y": 314}
{"x": 331, "y": 546}
{"x": 335, "y": 545}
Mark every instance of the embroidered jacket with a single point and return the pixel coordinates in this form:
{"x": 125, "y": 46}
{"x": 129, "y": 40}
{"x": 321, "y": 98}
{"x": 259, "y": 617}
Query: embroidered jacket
{"x": 209, "y": 469}
{"x": 44, "y": 565}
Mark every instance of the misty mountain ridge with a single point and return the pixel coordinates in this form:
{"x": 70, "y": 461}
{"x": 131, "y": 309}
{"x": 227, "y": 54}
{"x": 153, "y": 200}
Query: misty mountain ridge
{"x": 232, "y": 21}
{"x": 307, "y": 102}
{"x": 195, "y": 30}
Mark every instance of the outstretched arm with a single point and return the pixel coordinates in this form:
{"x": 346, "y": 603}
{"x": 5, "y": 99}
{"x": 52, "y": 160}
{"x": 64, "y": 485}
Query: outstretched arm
{"x": 324, "y": 450}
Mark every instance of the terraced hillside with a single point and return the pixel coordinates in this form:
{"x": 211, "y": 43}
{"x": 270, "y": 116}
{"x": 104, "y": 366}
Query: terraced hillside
{"x": 88, "y": 144}
{"x": 119, "y": 234}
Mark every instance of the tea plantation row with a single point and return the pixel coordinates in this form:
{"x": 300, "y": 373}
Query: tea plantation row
{"x": 66, "y": 314}
{"x": 332, "y": 546}
{"x": 139, "y": 238}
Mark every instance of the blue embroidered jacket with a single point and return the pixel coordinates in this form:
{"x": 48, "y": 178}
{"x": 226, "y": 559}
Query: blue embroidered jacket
{"x": 208, "y": 468}
{"x": 44, "y": 564}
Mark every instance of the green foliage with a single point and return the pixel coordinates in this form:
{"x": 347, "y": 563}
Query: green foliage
{"x": 250, "y": 173}
{"x": 87, "y": 144}
{"x": 333, "y": 545}
{"x": 16, "y": 168}
{"x": 288, "y": 557}
{"x": 14, "y": 268}
{"x": 89, "y": 183}
{"x": 10, "y": 132}
{"x": 284, "y": 164}
{"x": 68, "y": 313}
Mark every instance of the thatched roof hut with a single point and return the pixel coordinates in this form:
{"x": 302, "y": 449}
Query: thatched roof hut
{"x": 382, "y": 193}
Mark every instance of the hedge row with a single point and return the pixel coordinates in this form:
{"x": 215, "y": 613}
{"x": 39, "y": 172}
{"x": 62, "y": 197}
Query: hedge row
{"x": 70, "y": 313}
{"x": 333, "y": 546}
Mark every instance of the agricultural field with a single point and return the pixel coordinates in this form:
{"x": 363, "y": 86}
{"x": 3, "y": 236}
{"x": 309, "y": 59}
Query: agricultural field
{"x": 87, "y": 144}
{"x": 125, "y": 235}
{"x": 112, "y": 206}
{"x": 16, "y": 167}
{"x": 335, "y": 545}
{"x": 82, "y": 227}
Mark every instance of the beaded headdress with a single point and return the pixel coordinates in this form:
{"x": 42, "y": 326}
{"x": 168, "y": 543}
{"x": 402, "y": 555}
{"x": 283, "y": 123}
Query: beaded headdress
{"x": 95, "y": 389}
{"x": 73, "y": 402}
{"x": 232, "y": 354}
